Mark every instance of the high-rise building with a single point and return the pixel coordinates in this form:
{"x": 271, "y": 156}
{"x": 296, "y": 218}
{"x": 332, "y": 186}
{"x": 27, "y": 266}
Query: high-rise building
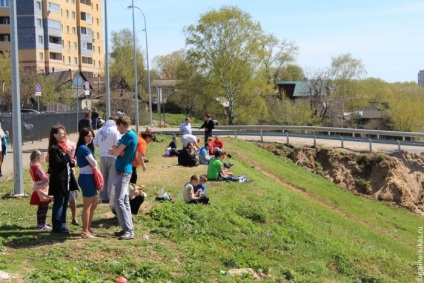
{"x": 56, "y": 35}
{"x": 421, "y": 77}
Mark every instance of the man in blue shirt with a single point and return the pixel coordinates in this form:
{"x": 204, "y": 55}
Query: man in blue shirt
{"x": 124, "y": 152}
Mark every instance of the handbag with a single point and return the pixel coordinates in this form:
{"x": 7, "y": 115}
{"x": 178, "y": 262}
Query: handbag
{"x": 98, "y": 178}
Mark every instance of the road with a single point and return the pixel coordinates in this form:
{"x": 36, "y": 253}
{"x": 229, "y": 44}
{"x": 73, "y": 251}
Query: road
{"x": 357, "y": 146}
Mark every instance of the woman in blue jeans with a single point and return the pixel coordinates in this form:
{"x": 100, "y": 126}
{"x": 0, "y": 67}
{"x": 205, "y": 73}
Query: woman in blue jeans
{"x": 59, "y": 170}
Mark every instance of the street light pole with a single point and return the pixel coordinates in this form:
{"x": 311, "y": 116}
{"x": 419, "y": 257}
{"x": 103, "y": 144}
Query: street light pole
{"x": 147, "y": 64}
{"x": 135, "y": 72}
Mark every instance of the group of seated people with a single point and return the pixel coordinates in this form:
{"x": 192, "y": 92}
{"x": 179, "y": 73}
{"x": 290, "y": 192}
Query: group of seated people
{"x": 211, "y": 154}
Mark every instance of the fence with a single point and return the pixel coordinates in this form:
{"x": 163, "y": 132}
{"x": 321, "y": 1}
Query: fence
{"x": 37, "y": 126}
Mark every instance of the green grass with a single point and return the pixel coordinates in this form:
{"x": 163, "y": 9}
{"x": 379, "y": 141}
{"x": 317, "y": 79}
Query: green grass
{"x": 288, "y": 223}
{"x": 174, "y": 120}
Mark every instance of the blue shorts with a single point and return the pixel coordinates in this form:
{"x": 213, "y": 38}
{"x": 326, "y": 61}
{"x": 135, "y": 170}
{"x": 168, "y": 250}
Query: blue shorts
{"x": 86, "y": 182}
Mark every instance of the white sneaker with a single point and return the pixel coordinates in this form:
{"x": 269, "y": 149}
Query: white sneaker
{"x": 44, "y": 228}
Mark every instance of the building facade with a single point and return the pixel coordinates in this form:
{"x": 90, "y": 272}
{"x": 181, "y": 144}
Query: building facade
{"x": 56, "y": 35}
{"x": 421, "y": 78}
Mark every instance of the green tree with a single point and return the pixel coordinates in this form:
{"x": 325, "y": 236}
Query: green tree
{"x": 405, "y": 110}
{"x": 6, "y": 79}
{"x": 346, "y": 71}
{"x": 122, "y": 59}
{"x": 227, "y": 48}
{"x": 167, "y": 66}
{"x": 279, "y": 53}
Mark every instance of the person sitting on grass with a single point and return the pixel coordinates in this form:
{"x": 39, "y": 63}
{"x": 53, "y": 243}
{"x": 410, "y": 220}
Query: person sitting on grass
{"x": 204, "y": 156}
{"x": 188, "y": 156}
{"x": 201, "y": 186}
{"x": 217, "y": 171}
{"x": 190, "y": 196}
{"x": 171, "y": 149}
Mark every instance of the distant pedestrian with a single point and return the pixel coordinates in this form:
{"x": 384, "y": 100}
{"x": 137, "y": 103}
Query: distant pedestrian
{"x": 85, "y": 122}
{"x": 185, "y": 127}
{"x": 4, "y": 140}
{"x": 208, "y": 125}
{"x": 94, "y": 117}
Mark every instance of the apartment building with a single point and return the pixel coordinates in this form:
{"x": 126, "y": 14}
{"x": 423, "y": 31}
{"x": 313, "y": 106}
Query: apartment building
{"x": 57, "y": 35}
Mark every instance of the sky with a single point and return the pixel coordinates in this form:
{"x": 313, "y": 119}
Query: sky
{"x": 386, "y": 35}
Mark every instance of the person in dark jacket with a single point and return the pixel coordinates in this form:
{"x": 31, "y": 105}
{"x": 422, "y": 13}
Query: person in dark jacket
{"x": 59, "y": 170}
{"x": 208, "y": 125}
{"x": 188, "y": 156}
{"x": 85, "y": 122}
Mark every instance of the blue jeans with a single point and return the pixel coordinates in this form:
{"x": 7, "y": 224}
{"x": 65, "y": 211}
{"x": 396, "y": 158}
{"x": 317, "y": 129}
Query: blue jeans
{"x": 122, "y": 201}
{"x": 60, "y": 206}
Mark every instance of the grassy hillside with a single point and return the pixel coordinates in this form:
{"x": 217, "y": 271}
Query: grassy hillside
{"x": 289, "y": 224}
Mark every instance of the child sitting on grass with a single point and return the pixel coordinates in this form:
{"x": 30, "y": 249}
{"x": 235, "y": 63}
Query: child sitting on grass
{"x": 201, "y": 186}
{"x": 41, "y": 189}
{"x": 190, "y": 196}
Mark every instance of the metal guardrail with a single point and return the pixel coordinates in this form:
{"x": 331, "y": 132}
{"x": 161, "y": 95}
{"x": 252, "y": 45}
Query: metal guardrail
{"x": 369, "y": 137}
{"x": 329, "y": 130}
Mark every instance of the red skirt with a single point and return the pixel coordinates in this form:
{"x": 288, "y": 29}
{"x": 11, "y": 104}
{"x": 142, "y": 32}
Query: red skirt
{"x": 35, "y": 200}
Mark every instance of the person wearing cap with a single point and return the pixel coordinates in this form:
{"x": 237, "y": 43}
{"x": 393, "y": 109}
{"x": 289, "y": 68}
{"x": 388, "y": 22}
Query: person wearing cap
{"x": 140, "y": 153}
{"x": 208, "y": 125}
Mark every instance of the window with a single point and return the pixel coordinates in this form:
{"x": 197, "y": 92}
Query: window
{"x": 69, "y": 60}
{"x": 73, "y": 15}
{"x": 97, "y": 21}
{"x": 87, "y": 60}
{"x": 54, "y": 24}
{"x": 67, "y": 29}
{"x": 4, "y": 37}
{"x": 86, "y": 17}
{"x": 89, "y": 46}
{"x": 86, "y": 2}
{"x": 98, "y": 49}
{"x": 86, "y": 31}
{"x": 54, "y": 7}
{"x": 97, "y": 7}
{"x": 4, "y": 3}
{"x": 94, "y": 49}
{"x": 74, "y": 30}
{"x": 98, "y": 35}
{"x": 40, "y": 56}
{"x": 4, "y": 21}
{"x": 75, "y": 61}
{"x": 67, "y": 14}
{"x": 84, "y": 45}
{"x": 40, "y": 39}
{"x": 55, "y": 56}
{"x": 39, "y": 23}
{"x": 75, "y": 46}
{"x": 94, "y": 63}
{"x": 69, "y": 44}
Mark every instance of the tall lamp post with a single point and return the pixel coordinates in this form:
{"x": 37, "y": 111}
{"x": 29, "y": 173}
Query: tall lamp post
{"x": 147, "y": 63}
{"x": 135, "y": 71}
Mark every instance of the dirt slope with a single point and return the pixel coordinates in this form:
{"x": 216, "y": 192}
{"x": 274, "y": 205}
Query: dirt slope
{"x": 398, "y": 178}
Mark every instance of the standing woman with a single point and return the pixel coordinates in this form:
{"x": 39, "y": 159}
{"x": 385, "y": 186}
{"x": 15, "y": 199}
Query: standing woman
{"x": 59, "y": 170}
{"x": 86, "y": 161}
{"x": 4, "y": 139}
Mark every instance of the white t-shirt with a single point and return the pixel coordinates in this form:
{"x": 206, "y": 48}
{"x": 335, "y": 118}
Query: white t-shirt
{"x": 187, "y": 191}
{"x": 185, "y": 128}
{"x": 106, "y": 137}
{"x": 185, "y": 139}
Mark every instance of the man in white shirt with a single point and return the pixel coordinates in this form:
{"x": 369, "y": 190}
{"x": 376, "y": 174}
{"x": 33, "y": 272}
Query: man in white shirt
{"x": 106, "y": 137}
{"x": 185, "y": 127}
{"x": 185, "y": 139}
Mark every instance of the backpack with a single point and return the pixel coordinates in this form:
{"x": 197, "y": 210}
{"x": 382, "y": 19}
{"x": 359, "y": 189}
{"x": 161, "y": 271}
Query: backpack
{"x": 215, "y": 122}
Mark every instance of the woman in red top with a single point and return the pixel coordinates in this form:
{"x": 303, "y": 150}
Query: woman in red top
{"x": 218, "y": 143}
{"x": 41, "y": 187}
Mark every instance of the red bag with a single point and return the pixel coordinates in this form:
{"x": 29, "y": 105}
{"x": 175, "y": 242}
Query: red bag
{"x": 99, "y": 182}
